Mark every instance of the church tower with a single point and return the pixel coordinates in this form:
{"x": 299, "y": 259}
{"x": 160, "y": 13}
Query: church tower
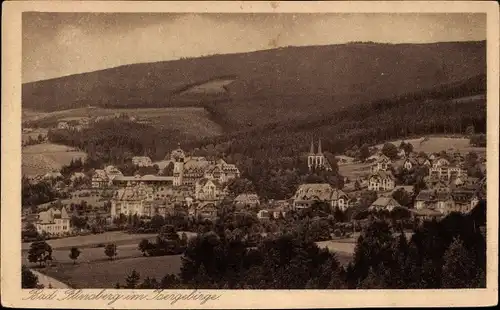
{"x": 317, "y": 160}
{"x": 311, "y": 158}
{"x": 178, "y": 158}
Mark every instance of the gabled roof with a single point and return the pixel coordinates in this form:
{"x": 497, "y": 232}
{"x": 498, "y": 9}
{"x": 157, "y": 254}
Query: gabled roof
{"x": 426, "y": 195}
{"x": 242, "y": 198}
{"x": 383, "y": 175}
{"x": 385, "y": 201}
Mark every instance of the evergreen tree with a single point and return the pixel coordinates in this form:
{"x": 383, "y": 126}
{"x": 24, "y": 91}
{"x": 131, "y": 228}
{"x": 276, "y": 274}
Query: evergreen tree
{"x": 459, "y": 269}
{"x": 132, "y": 279}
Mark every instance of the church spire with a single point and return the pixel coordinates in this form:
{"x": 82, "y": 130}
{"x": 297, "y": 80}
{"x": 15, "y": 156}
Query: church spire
{"x": 319, "y": 146}
{"x": 312, "y": 147}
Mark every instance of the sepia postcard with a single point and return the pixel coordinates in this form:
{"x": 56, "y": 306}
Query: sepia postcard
{"x": 249, "y": 154}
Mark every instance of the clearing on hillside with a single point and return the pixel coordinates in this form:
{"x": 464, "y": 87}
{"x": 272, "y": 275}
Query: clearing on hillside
{"x": 42, "y": 158}
{"x": 194, "y": 121}
{"x": 437, "y": 144}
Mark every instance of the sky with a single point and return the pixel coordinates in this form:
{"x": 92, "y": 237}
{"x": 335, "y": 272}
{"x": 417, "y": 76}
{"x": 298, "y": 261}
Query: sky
{"x": 60, "y": 44}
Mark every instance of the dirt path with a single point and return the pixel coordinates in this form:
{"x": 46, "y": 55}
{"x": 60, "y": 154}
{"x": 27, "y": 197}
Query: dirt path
{"x": 48, "y": 282}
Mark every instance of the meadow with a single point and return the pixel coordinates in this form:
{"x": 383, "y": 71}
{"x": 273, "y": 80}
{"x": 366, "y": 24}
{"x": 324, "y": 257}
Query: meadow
{"x": 106, "y": 273}
{"x": 193, "y": 121}
{"x": 46, "y": 157}
{"x": 438, "y": 144}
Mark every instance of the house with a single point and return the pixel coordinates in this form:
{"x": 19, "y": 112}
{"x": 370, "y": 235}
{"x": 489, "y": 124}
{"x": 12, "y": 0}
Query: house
{"x": 465, "y": 200}
{"x": 53, "y": 222}
{"x": 426, "y": 214}
{"x": 207, "y": 211}
{"x": 423, "y": 161}
{"x": 410, "y": 163}
{"x": 307, "y": 194}
{"x": 401, "y": 153}
{"x": 425, "y": 199}
{"x": 131, "y": 200}
{"x": 381, "y": 181}
{"x": 189, "y": 169}
{"x": 142, "y": 161}
{"x": 100, "y": 179}
{"x": 112, "y": 172}
{"x": 206, "y": 189}
{"x": 247, "y": 200}
{"x": 62, "y": 125}
{"x": 383, "y": 163}
{"x": 384, "y": 203}
{"x": 77, "y": 175}
{"x": 263, "y": 215}
{"x": 442, "y": 202}
{"x": 339, "y": 199}
{"x": 54, "y": 175}
{"x": 277, "y": 212}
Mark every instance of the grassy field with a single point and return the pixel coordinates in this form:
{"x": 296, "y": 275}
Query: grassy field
{"x": 94, "y": 269}
{"x": 193, "y": 121}
{"x": 117, "y": 237}
{"x": 45, "y": 157}
{"x": 437, "y": 144}
{"x": 34, "y": 134}
{"x": 354, "y": 171}
{"x": 105, "y": 274}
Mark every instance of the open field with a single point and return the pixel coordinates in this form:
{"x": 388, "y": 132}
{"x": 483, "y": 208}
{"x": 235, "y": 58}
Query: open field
{"x": 34, "y": 134}
{"x": 354, "y": 171}
{"x": 437, "y": 144}
{"x": 90, "y": 240}
{"x": 45, "y": 157}
{"x": 105, "y": 274}
{"x": 193, "y": 121}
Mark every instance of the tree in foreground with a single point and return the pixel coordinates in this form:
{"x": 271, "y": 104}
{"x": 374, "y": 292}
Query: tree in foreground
{"x": 110, "y": 251}
{"x": 40, "y": 252}
{"x": 74, "y": 254}
{"x": 144, "y": 246}
{"x": 28, "y": 278}
{"x": 132, "y": 279}
{"x": 459, "y": 269}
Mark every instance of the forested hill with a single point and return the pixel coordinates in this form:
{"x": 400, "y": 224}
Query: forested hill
{"x": 280, "y": 85}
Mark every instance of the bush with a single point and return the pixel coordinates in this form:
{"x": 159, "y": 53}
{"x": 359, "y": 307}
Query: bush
{"x": 337, "y": 233}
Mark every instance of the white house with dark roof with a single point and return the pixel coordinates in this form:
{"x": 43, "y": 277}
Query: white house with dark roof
{"x": 211, "y": 190}
{"x": 243, "y": 200}
{"x": 381, "y": 181}
{"x": 142, "y": 161}
{"x": 99, "y": 179}
{"x": 53, "y": 222}
{"x": 384, "y": 203}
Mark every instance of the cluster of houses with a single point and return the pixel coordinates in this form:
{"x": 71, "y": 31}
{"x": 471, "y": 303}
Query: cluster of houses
{"x": 198, "y": 186}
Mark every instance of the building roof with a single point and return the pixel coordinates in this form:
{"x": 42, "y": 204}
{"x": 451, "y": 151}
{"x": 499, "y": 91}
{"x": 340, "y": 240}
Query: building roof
{"x": 384, "y": 202}
{"x": 407, "y": 188}
{"x": 311, "y": 191}
{"x": 383, "y": 175}
{"x": 148, "y": 177}
{"x": 426, "y": 195}
{"x": 245, "y": 198}
{"x": 426, "y": 212}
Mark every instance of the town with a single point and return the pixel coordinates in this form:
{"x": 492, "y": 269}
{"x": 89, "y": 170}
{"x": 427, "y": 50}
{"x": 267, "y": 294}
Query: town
{"x": 287, "y": 163}
{"x": 197, "y": 187}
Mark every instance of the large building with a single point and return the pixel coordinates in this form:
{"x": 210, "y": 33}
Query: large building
{"x": 317, "y": 160}
{"x": 53, "y": 222}
{"x": 308, "y": 194}
{"x": 189, "y": 169}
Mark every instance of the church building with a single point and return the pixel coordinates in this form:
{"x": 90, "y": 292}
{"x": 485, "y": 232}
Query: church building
{"x": 317, "y": 160}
